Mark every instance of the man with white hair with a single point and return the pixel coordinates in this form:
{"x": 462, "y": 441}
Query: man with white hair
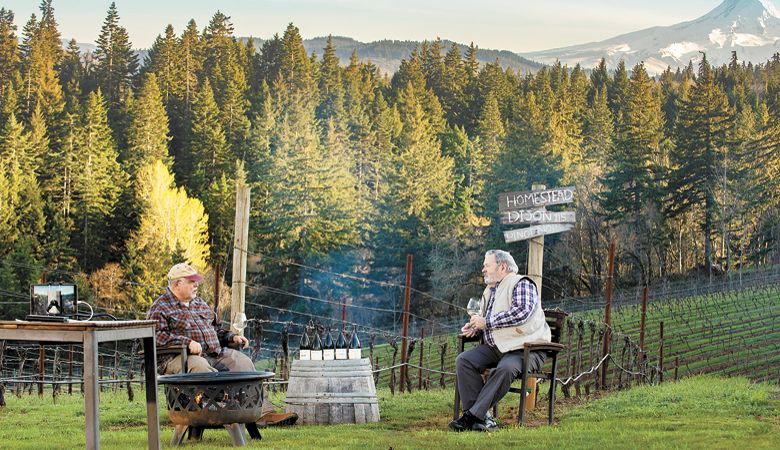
{"x": 511, "y": 315}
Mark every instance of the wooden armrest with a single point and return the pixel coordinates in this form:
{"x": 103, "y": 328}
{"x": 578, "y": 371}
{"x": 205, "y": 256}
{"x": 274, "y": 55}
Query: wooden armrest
{"x": 543, "y": 346}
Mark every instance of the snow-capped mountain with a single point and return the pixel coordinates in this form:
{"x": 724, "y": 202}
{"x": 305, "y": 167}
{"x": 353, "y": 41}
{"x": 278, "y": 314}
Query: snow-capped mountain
{"x": 749, "y": 27}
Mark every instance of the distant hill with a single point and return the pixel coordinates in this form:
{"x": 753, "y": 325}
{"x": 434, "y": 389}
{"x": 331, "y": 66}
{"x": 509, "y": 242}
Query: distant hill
{"x": 385, "y": 54}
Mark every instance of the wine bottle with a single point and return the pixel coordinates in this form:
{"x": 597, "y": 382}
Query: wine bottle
{"x": 316, "y": 348}
{"x": 341, "y": 346}
{"x": 354, "y": 345}
{"x": 328, "y": 349}
{"x": 305, "y": 347}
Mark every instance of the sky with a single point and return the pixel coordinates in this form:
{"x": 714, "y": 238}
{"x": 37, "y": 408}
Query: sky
{"x": 515, "y": 25}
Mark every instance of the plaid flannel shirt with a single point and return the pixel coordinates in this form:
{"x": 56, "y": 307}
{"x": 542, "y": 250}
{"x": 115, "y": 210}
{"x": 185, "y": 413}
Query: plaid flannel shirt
{"x": 524, "y": 299}
{"x": 178, "y": 324}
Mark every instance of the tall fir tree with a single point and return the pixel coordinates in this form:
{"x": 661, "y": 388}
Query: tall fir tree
{"x": 221, "y": 65}
{"x": 98, "y": 181}
{"x": 631, "y": 183}
{"x": 701, "y": 156}
{"x": 115, "y": 62}
{"x": 147, "y": 136}
{"x": 10, "y": 62}
{"x": 209, "y": 153}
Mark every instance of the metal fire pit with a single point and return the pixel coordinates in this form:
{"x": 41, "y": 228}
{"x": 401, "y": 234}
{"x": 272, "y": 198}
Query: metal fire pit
{"x": 214, "y": 399}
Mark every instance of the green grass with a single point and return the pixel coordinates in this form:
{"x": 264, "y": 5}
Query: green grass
{"x": 697, "y": 412}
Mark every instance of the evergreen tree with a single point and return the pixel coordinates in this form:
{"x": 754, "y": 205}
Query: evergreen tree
{"x": 221, "y": 66}
{"x": 162, "y": 60}
{"x": 72, "y": 71}
{"x": 38, "y": 141}
{"x": 308, "y": 207}
{"x": 617, "y": 92}
{"x": 454, "y": 79}
{"x": 491, "y": 131}
{"x": 597, "y": 132}
{"x": 147, "y": 136}
{"x": 631, "y": 195}
{"x": 42, "y": 52}
{"x": 701, "y": 156}
{"x": 10, "y": 61}
{"x": 296, "y": 73}
{"x": 98, "y": 181}
{"x": 115, "y": 61}
{"x": 422, "y": 183}
{"x": 330, "y": 84}
{"x": 209, "y": 154}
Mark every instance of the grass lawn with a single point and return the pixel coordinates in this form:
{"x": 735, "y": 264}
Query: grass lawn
{"x": 698, "y": 412}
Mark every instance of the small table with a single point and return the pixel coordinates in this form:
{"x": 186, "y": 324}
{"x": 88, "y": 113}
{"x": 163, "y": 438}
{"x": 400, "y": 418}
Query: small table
{"x": 90, "y": 334}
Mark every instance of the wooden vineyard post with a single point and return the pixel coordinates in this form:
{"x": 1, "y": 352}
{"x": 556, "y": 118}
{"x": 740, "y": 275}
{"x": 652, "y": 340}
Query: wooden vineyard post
{"x": 407, "y": 294}
{"x": 422, "y": 352}
{"x": 661, "y": 354}
{"x": 608, "y": 314}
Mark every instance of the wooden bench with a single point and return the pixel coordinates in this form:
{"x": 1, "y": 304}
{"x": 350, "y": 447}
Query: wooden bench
{"x": 555, "y": 319}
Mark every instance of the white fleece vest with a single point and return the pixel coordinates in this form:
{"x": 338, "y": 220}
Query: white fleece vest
{"x": 513, "y": 338}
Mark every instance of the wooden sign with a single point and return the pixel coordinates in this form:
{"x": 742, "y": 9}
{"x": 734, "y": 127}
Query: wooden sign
{"x": 537, "y": 216}
{"x": 513, "y": 201}
{"x": 536, "y": 231}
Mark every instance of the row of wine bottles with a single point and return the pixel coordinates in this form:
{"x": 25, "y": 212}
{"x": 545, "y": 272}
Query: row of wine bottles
{"x": 319, "y": 349}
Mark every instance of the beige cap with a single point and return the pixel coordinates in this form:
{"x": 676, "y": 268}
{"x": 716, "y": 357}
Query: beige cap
{"x": 184, "y": 270}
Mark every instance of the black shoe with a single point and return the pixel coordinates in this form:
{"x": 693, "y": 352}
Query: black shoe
{"x": 485, "y": 425}
{"x": 464, "y": 422}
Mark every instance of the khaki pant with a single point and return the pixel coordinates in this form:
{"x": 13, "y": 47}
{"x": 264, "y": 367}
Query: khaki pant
{"x": 229, "y": 361}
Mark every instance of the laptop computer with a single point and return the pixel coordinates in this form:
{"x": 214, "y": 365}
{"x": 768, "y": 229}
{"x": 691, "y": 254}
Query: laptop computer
{"x": 52, "y": 302}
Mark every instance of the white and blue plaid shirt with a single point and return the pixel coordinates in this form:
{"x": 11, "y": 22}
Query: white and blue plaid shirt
{"x": 524, "y": 298}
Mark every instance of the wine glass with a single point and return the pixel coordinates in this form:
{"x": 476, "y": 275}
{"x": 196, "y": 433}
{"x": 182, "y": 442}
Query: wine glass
{"x": 473, "y": 306}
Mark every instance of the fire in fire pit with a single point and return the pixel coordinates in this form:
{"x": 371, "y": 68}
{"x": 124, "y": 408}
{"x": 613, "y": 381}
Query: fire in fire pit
{"x": 209, "y": 399}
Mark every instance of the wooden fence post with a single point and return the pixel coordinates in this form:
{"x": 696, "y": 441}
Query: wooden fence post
{"x": 422, "y": 353}
{"x": 643, "y": 318}
{"x": 608, "y": 314}
{"x": 404, "y": 337}
{"x": 443, "y": 349}
{"x": 661, "y": 354}
{"x": 41, "y": 369}
{"x": 70, "y": 369}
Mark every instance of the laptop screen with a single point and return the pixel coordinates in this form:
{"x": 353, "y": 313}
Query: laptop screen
{"x": 53, "y": 299}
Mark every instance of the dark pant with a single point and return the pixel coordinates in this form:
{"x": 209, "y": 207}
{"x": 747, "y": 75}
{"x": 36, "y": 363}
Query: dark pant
{"x": 476, "y": 396}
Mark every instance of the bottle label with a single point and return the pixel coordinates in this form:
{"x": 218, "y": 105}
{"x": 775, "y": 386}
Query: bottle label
{"x": 305, "y": 355}
{"x": 328, "y": 354}
{"x": 316, "y": 355}
{"x": 354, "y": 353}
{"x": 341, "y": 353}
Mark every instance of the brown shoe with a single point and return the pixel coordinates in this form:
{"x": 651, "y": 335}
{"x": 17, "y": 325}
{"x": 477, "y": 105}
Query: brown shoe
{"x": 277, "y": 420}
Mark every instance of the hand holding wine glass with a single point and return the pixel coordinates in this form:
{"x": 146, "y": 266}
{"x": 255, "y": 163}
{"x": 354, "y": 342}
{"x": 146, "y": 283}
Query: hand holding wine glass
{"x": 473, "y": 307}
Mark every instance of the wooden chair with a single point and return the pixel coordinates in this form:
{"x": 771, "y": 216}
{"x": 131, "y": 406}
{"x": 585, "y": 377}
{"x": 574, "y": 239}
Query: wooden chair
{"x": 555, "y": 319}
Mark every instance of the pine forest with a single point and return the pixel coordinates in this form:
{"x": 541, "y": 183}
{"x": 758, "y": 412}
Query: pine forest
{"x": 113, "y": 168}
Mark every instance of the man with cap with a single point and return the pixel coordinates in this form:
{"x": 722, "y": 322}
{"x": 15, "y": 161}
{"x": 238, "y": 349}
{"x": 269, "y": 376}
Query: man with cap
{"x": 183, "y": 318}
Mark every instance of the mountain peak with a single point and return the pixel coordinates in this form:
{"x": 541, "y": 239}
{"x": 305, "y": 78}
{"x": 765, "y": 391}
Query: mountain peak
{"x": 751, "y": 28}
{"x": 743, "y": 8}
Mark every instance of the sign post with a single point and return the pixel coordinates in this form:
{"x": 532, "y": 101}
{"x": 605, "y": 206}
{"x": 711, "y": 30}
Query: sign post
{"x": 530, "y": 208}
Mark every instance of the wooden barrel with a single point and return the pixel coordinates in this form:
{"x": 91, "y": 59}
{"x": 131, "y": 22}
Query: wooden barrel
{"x": 338, "y": 391}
